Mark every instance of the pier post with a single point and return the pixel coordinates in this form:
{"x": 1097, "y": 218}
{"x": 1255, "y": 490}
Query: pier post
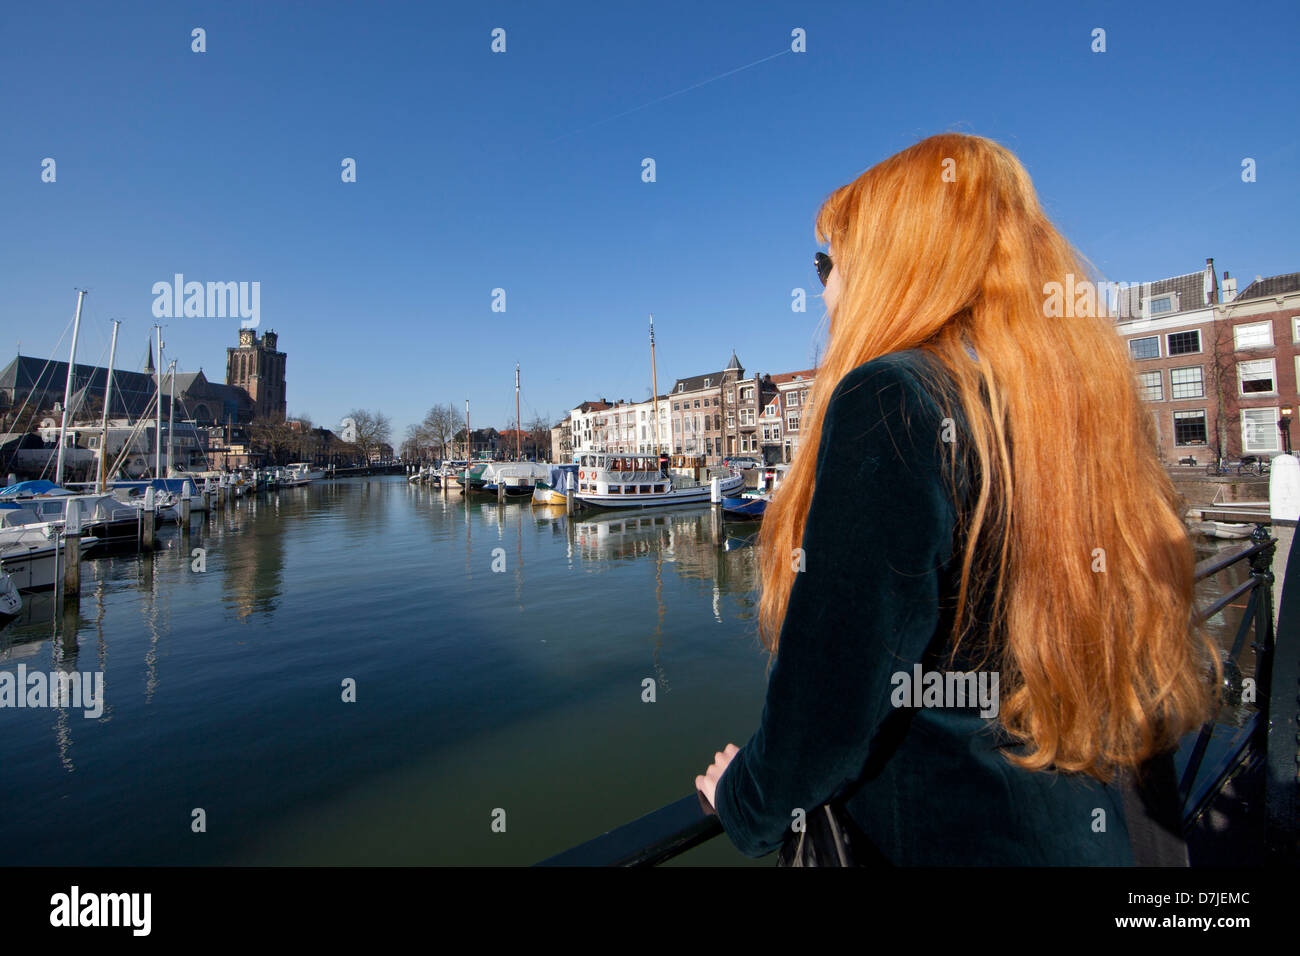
{"x": 570, "y": 501}
{"x": 72, "y": 553}
{"x": 501, "y": 491}
{"x": 148, "y": 517}
{"x": 1284, "y": 510}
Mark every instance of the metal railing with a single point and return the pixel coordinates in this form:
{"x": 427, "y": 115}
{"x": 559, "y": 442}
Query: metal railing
{"x": 686, "y": 823}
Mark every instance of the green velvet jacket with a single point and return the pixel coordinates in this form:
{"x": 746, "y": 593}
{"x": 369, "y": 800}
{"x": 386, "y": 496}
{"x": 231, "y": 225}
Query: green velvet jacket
{"x": 925, "y": 785}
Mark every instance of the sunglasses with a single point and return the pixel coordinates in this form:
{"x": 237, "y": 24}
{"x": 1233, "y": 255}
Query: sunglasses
{"x": 824, "y": 266}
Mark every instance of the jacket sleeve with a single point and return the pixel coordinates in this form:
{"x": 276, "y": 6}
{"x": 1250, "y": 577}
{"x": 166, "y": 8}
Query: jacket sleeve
{"x": 878, "y": 533}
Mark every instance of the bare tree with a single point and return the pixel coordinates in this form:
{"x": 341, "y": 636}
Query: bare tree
{"x": 539, "y": 434}
{"x": 373, "y": 431}
{"x": 440, "y": 425}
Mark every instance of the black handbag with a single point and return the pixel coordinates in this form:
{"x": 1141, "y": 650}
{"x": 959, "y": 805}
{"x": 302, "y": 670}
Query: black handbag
{"x": 826, "y": 840}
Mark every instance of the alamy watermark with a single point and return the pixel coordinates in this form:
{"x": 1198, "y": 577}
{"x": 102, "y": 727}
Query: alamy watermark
{"x": 1082, "y": 298}
{"x": 212, "y": 300}
{"x": 960, "y": 689}
{"x": 55, "y": 689}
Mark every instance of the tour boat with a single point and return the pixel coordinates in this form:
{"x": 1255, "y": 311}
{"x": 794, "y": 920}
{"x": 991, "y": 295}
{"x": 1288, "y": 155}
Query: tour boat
{"x": 640, "y": 481}
{"x": 561, "y": 479}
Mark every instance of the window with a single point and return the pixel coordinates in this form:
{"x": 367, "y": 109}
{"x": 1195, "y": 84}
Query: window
{"x": 697, "y": 403}
{"x": 681, "y": 387}
{"x": 1162, "y": 304}
{"x": 1152, "y": 386}
{"x": 1147, "y": 348}
{"x": 1295, "y": 328}
{"x": 1259, "y": 431}
{"x": 731, "y": 397}
{"x": 792, "y": 421}
{"x": 1183, "y": 343}
{"x": 747, "y": 394}
{"x": 1256, "y": 335}
{"x": 677, "y": 406}
{"x": 792, "y": 398}
{"x": 717, "y": 423}
{"x": 1189, "y": 428}
{"x": 731, "y": 420}
{"x": 708, "y": 382}
{"x": 1256, "y": 377}
{"x": 1186, "y": 383}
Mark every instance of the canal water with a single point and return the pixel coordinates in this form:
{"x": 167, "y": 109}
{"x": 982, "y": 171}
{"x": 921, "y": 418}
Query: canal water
{"x": 501, "y": 658}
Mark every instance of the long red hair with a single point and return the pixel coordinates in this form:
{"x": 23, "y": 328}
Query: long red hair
{"x": 1073, "y": 530}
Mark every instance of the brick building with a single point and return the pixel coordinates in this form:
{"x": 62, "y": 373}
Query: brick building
{"x": 1216, "y": 367}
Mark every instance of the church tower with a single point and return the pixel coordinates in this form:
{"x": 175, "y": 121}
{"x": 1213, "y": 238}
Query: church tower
{"x": 257, "y": 367}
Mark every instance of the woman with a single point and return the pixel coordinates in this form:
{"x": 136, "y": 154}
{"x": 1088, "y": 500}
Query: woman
{"x": 978, "y": 498}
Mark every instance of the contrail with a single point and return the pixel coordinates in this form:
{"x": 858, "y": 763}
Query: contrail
{"x": 669, "y": 96}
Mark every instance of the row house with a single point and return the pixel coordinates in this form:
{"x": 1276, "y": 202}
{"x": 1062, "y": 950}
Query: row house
{"x": 586, "y": 423}
{"x": 793, "y": 399}
{"x": 748, "y": 411}
{"x": 1216, "y": 367}
{"x": 696, "y": 412}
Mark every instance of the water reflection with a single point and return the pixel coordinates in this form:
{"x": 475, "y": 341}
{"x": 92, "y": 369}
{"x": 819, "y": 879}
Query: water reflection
{"x": 223, "y": 684}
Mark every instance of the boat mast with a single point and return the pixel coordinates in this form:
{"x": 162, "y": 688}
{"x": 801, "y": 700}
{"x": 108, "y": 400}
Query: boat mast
{"x": 108, "y": 397}
{"x": 518, "y": 454}
{"x": 467, "y": 434}
{"x": 157, "y": 432}
{"x": 171, "y": 404}
{"x": 67, "y": 387}
{"x": 654, "y": 383}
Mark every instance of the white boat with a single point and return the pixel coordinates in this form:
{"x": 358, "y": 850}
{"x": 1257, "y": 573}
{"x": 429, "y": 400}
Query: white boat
{"x": 299, "y": 473}
{"x": 10, "y": 601}
{"x": 639, "y": 481}
{"x": 102, "y": 517}
{"x": 28, "y": 554}
{"x": 519, "y": 477}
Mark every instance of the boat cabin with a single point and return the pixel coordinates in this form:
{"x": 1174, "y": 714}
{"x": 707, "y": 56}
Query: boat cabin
{"x": 608, "y": 474}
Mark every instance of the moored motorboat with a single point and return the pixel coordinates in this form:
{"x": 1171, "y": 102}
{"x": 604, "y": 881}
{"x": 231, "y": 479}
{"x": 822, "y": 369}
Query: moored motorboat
{"x": 10, "y": 601}
{"x": 29, "y": 553}
{"x": 519, "y": 478}
{"x": 559, "y": 482}
{"x": 750, "y": 505}
{"x": 645, "y": 481}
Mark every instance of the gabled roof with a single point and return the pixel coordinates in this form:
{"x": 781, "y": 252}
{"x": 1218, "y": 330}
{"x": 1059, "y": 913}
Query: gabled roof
{"x": 697, "y": 382}
{"x": 1273, "y": 285}
{"x": 1190, "y": 289}
{"x": 786, "y": 377}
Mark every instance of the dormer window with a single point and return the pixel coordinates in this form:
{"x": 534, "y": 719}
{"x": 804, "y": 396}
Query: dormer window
{"x": 1164, "y": 304}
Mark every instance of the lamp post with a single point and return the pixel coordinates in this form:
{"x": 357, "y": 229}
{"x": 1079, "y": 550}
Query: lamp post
{"x": 1284, "y": 426}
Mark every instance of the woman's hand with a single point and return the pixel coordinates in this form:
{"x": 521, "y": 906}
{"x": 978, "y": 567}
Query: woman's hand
{"x": 708, "y": 783}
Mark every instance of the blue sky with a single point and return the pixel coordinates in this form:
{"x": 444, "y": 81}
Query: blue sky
{"x": 522, "y": 171}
